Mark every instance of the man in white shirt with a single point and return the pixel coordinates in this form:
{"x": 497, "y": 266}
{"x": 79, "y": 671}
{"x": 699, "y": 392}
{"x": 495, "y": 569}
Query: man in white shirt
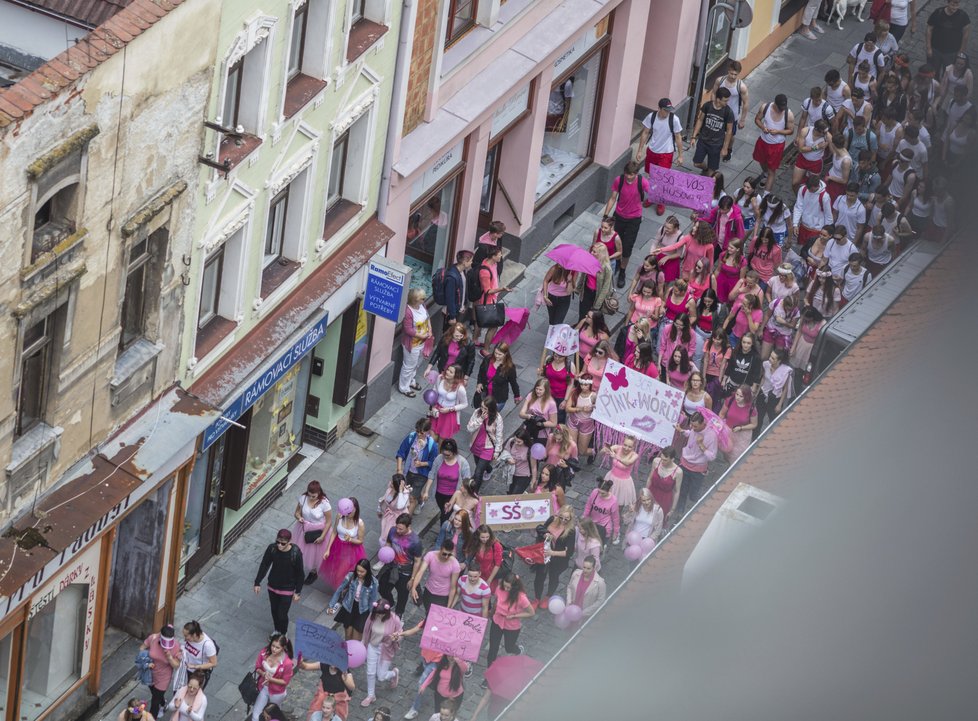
{"x": 813, "y": 210}
{"x": 866, "y": 50}
{"x": 837, "y": 252}
{"x": 661, "y": 138}
{"x": 854, "y": 277}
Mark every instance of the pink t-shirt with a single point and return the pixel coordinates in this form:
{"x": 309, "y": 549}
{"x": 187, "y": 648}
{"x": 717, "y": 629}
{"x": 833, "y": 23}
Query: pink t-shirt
{"x": 447, "y": 481}
{"x": 740, "y": 318}
{"x": 503, "y": 608}
{"x": 559, "y": 379}
{"x": 629, "y": 201}
{"x": 440, "y": 573}
{"x": 603, "y": 511}
{"x": 451, "y": 354}
{"x": 739, "y": 415}
{"x": 644, "y": 307}
{"x": 553, "y": 452}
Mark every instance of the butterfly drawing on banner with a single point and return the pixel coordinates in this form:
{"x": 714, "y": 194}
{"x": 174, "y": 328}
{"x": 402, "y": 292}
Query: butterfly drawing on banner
{"x": 617, "y": 380}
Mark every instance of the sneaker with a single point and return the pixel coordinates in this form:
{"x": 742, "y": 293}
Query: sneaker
{"x": 311, "y": 578}
{"x": 544, "y": 603}
{"x": 818, "y": 28}
{"x": 660, "y": 209}
{"x": 620, "y": 282}
{"x": 484, "y": 684}
{"x": 808, "y": 34}
{"x": 412, "y": 713}
{"x": 397, "y": 677}
{"x": 468, "y": 671}
{"x": 522, "y": 649}
{"x": 367, "y": 701}
{"x": 616, "y": 541}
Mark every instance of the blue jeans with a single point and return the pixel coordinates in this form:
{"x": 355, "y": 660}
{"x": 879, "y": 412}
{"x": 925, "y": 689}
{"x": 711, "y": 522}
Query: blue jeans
{"x": 429, "y": 668}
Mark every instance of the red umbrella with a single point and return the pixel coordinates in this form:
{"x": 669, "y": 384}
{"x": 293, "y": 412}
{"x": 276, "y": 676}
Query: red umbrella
{"x": 574, "y": 257}
{"x": 509, "y": 675}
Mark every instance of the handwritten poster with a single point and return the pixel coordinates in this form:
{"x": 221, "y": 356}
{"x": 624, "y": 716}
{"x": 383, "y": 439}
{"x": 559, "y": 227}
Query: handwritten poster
{"x": 318, "y": 643}
{"x": 507, "y": 513}
{"x": 562, "y": 339}
{"x": 630, "y": 402}
{"x": 455, "y": 633}
{"x": 687, "y": 190}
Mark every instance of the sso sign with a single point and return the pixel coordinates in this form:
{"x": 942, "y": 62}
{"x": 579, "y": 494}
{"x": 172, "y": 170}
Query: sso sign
{"x": 507, "y": 513}
{"x": 386, "y": 291}
{"x": 269, "y": 377}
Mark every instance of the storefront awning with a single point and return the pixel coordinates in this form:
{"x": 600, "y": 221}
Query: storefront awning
{"x": 221, "y": 380}
{"x": 97, "y": 490}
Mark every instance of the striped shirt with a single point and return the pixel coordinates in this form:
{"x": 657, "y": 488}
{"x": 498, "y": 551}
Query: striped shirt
{"x": 469, "y": 599}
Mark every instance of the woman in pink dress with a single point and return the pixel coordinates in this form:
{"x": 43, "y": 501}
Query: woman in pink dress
{"x": 643, "y": 360}
{"x": 580, "y": 405}
{"x": 344, "y": 547}
{"x": 648, "y": 272}
{"x": 665, "y": 480}
{"x": 623, "y": 460}
{"x": 716, "y": 352}
{"x": 560, "y": 447}
{"x": 729, "y": 270}
{"x": 739, "y": 414}
{"x": 645, "y": 304}
{"x": 765, "y": 255}
{"x": 679, "y": 299}
{"x": 745, "y": 316}
{"x": 669, "y": 263}
{"x": 809, "y": 326}
{"x": 678, "y": 368}
{"x": 677, "y": 333}
{"x": 451, "y": 400}
{"x": 696, "y": 245}
{"x": 540, "y": 404}
{"x": 701, "y": 278}
{"x": 313, "y": 516}
{"x": 393, "y": 503}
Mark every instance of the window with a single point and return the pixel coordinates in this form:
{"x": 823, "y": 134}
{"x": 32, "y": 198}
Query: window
{"x": 54, "y": 220}
{"x": 298, "y": 44}
{"x": 35, "y": 364}
{"x": 367, "y": 25}
{"x": 275, "y": 231}
{"x": 337, "y": 169}
{"x": 232, "y": 95}
{"x": 461, "y": 18}
{"x": 210, "y": 288}
{"x": 134, "y": 300}
{"x": 359, "y": 10}
{"x": 431, "y": 234}
{"x": 241, "y": 104}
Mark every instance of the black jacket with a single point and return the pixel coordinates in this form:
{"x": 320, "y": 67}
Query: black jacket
{"x": 454, "y": 299}
{"x": 744, "y": 369}
{"x": 501, "y": 383}
{"x": 284, "y": 569}
{"x": 465, "y": 359}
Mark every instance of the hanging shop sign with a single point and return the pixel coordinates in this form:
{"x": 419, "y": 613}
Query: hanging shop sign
{"x": 387, "y": 287}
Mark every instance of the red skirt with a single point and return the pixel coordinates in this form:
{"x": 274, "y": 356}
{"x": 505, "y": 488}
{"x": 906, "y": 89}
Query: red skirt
{"x": 834, "y": 189}
{"x": 812, "y": 166}
{"x": 768, "y": 155}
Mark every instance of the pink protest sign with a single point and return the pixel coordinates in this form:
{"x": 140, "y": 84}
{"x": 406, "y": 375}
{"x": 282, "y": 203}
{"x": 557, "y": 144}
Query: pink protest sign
{"x": 687, "y": 190}
{"x": 455, "y": 633}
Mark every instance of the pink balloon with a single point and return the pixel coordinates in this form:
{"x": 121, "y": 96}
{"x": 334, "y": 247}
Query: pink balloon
{"x": 573, "y": 613}
{"x": 647, "y": 545}
{"x": 385, "y": 554}
{"x": 633, "y": 537}
{"x": 538, "y": 451}
{"x": 633, "y": 553}
{"x": 344, "y": 506}
{"x": 356, "y": 653}
{"x": 556, "y": 605}
{"x": 562, "y": 621}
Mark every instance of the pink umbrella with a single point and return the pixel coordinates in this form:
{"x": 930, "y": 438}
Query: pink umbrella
{"x": 574, "y": 257}
{"x": 509, "y": 675}
{"x": 516, "y": 320}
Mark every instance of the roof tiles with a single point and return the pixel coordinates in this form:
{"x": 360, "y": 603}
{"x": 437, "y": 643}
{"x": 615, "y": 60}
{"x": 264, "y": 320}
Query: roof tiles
{"x": 119, "y": 21}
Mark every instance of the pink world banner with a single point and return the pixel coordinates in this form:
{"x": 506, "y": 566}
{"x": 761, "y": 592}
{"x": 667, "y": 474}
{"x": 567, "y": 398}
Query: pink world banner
{"x": 686, "y": 190}
{"x": 454, "y": 633}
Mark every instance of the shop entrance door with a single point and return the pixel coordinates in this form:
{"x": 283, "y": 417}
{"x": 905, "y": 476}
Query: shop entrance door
{"x": 490, "y": 178}
{"x": 213, "y": 507}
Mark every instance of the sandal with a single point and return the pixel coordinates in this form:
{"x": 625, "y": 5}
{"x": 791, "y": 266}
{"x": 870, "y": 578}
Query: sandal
{"x": 415, "y": 386}
{"x": 409, "y": 394}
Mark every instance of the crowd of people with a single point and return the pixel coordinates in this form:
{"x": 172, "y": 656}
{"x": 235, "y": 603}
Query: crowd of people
{"x": 725, "y": 307}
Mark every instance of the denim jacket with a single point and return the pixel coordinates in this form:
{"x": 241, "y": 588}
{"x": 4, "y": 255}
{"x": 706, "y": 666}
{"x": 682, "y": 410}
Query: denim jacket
{"x": 347, "y": 589}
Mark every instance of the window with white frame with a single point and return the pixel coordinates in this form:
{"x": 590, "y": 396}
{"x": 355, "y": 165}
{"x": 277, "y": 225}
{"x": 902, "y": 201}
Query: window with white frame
{"x": 297, "y": 44}
{"x": 219, "y": 291}
{"x": 347, "y": 164}
{"x": 367, "y": 21}
{"x": 275, "y": 228}
{"x": 308, "y": 40}
{"x": 284, "y": 239}
{"x": 210, "y": 288}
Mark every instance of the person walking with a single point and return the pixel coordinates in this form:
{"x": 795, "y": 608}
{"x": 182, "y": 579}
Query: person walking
{"x": 382, "y": 638}
{"x": 455, "y": 292}
{"x": 352, "y": 601}
{"x": 809, "y": 26}
{"x": 777, "y": 124}
{"x": 512, "y": 607}
{"x": 407, "y": 560}
{"x": 275, "y": 669}
{"x": 813, "y": 210}
{"x": 313, "y": 516}
{"x": 629, "y": 193}
{"x": 948, "y": 29}
{"x": 713, "y": 131}
{"x": 282, "y": 563}
{"x": 661, "y": 140}
{"x": 164, "y": 659}
{"x": 414, "y": 457}
{"x": 443, "y": 570}
{"x": 739, "y": 99}
{"x": 416, "y": 340}
{"x": 189, "y": 703}
{"x": 586, "y": 589}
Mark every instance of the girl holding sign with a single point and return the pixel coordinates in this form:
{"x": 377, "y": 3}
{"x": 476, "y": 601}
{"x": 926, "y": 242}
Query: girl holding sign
{"x": 560, "y": 540}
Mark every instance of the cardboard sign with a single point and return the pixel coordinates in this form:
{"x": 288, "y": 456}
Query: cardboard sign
{"x": 637, "y": 405}
{"x": 562, "y": 339}
{"x": 506, "y": 513}
{"x": 318, "y": 643}
{"x": 687, "y": 190}
{"x": 454, "y": 633}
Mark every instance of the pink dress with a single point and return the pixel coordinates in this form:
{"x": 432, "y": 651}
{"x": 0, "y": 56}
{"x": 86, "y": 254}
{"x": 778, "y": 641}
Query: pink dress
{"x": 738, "y": 416}
{"x": 313, "y": 519}
{"x": 727, "y": 278}
{"x": 624, "y": 487}
{"x": 662, "y": 488}
{"x": 343, "y": 556}
{"x": 673, "y": 310}
{"x": 446, "y": 425}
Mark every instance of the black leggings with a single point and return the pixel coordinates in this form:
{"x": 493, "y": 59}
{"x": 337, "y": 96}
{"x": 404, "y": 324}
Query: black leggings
{"x": 497, "y": 634}
{"x": 519, "y": 485}
{"x": 157, "y": 701}
{"x": 557, "y": 310}
{"x": 481, "y": 466}
{"x": 551, "y": 572}
{"x": 586, "y": 303}
{"x": 441, "y": 499}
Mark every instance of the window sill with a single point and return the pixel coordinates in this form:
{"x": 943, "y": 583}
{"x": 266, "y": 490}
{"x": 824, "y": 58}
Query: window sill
{"x": 234, "y": 151}
{"x": 300, "y": 90}
{"x": 363, "y": 34}
{"x": 133, "y": 368}
{"x": 339, "y": 214}
{"x": 276, "y": 273}
{"x": 44, "y": 263}
{"x": 40, "y": 440}
{"x": 211, "y": 334}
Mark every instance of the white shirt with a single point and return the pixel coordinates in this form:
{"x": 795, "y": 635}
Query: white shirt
{"x": 899, "y": 14}
{"x": 734, "y": 89}
{"x": 313, "y": 514}
{"x": 849, "y": 217}
{"x": 919, "y": 154}
{"x": 661, "y": 137}
{"x": 776, "y": 123}
{"x": 875, "y": 57}
{"x": 853, "y": 283}
{"x": 835, "y": 96}
{"x": 837, "y": 255}
{"x": 822, "y": 111}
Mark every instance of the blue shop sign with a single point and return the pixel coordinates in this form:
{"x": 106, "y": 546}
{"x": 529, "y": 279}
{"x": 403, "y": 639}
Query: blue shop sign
{"x": 387, "y": 284}
{"x": 265, "y": 381}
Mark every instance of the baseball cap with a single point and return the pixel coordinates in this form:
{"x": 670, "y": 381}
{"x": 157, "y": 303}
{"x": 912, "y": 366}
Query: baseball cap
{"x": 666, "y": 104}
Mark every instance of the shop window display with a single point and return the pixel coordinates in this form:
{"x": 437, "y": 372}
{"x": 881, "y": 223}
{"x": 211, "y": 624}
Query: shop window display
{"x": 430, "y": 234}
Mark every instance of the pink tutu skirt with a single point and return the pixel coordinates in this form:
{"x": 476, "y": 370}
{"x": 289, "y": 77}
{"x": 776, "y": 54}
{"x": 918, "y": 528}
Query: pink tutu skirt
{"x": 446, "y": 425}
{"x": 623, "y": 489}
{"x": 312, "y": 553}
{"x": 342, "y": 558}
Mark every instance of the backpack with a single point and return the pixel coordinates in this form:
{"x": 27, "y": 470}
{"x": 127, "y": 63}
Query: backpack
{"x": 876, "y": 67}
{"x": 845, "y": 273}
{"x": 438, "y": 286}
{"x": 784, "y": 120}
{"x": 473, "y": 286}
{"x": 641, "y": 189}
{"x": 672, "y": 128}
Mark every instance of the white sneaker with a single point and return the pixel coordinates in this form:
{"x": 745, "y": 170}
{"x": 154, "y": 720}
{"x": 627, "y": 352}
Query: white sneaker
{"x": 412, "y": 713}
{"x": 808, "y": 34}
{"x": 818, "y": 28}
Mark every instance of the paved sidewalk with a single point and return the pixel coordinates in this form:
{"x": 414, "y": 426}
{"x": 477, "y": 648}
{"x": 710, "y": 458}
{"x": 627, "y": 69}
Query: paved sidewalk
{"x": 223, "y": 599}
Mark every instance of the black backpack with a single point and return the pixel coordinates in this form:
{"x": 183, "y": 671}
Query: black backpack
{"x": 438, "y": 286}
{"x": 672, "y": 128}
{"x": 473, "y": 286}
{"x": 638, "y": 179}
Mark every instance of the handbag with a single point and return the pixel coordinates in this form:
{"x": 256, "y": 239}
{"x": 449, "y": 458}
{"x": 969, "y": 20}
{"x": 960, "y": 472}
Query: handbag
{"x": 490, "y": 315}
{"x": 610, "y": 305}
{"x": 249, "y": 688}
{"x": 311, "y": 537}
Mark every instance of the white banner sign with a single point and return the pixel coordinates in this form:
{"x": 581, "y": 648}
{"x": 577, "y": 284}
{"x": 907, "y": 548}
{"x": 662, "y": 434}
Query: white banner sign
{"x": 562, "y": 339}
{"x": 505, "y": 513}
{"x": 635, "y": 404}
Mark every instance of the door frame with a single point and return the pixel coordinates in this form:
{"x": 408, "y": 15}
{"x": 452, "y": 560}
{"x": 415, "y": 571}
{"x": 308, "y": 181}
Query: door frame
{"x": 495, "y": 151}
{"x": 204, "y": 551}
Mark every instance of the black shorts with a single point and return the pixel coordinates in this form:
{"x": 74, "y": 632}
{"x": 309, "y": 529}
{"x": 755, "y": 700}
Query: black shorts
{"x": 417, "y": 483}
{"x": 352, "y": 619}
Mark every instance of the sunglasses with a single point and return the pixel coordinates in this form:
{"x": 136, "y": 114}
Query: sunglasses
{"x": 282, "y": 541}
